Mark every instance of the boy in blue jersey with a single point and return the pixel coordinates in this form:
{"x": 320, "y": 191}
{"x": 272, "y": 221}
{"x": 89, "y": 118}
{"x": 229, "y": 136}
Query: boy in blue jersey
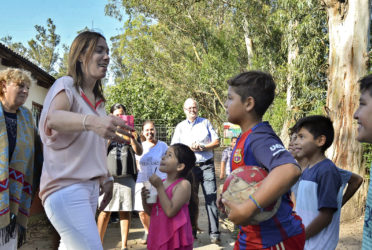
{"x": 349, "y": 180}
{"x": 319, "y": 193}
{"x": 364, "y": 117}
{"x": 249, "y": 95}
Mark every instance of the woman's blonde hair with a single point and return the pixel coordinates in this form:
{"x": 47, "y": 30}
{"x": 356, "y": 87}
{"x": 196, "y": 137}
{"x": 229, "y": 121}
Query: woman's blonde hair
{"x": 17, "y": 76}
{"x": 84, "y": 44}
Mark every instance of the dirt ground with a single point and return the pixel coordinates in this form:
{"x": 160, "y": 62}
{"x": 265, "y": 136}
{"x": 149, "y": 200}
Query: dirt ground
{"x": 40, "y": 236}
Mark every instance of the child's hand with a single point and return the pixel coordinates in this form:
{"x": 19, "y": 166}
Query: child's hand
{"x": 222, "y": 176}
{"x": 155, "y": 181}
{"x": 194, "y": 146}
{"x": 220, "y": 205}
{"x": 239, "y": 214}
{"x": 144, "y": 194}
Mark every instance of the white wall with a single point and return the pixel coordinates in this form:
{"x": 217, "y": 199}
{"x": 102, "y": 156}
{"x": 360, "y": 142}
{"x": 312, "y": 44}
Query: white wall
{"x": 37, "y": 94}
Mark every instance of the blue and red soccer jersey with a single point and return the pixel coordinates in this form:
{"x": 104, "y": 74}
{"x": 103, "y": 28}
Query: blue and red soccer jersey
{"x": 260, "y": 146}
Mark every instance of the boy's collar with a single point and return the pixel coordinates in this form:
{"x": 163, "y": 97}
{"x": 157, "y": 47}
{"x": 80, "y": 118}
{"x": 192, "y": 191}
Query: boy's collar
{"x": 316, "y": 162}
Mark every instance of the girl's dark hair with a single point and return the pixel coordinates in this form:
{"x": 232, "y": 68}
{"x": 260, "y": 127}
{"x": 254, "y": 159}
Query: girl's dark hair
{"x": 186, "y": 156}
{"x": 118, "y": 106}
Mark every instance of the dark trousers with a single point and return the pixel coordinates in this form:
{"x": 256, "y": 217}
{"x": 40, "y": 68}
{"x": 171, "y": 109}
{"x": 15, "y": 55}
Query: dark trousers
{"x": 206, "y": 176}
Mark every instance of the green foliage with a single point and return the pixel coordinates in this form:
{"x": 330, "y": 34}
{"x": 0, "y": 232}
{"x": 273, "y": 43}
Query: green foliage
{"x": 42, "y": 49}
{"x": 15, "y": 46}
{"x": 144, "y": 100}
{"x": 195, "y": 46}
{"x": 63, "y": 62}
{"x": 182, "y": 49}
{"x": 276, "y": 113}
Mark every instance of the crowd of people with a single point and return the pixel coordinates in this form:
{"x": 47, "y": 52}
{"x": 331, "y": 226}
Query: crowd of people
{"x": 85, "y": 160}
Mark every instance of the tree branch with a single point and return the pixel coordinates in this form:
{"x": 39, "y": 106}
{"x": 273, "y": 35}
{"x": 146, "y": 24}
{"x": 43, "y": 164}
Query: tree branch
{"x": 218, "y": 98}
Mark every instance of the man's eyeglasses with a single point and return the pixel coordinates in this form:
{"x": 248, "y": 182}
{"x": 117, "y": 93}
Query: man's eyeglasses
{"x": 191, "y": 108}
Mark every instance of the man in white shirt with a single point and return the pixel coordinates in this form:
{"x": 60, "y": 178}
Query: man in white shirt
{"x": 198, "y": 133}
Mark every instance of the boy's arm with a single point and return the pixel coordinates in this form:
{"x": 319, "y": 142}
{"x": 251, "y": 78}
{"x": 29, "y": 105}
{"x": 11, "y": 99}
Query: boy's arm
{"x": 224, "y": 158}
{"x": 352, "y": 186}
{"x": 293, "y": 199}
{"x": 222, "y": 170}
{"x": 320, "y": 222}
{"x": 277, "y": 183}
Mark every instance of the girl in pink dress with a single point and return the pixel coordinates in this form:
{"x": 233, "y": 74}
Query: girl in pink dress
{"x": 170, "y": 224}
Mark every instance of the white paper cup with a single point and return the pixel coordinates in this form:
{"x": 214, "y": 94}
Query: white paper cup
{"x": 153, "y": 195}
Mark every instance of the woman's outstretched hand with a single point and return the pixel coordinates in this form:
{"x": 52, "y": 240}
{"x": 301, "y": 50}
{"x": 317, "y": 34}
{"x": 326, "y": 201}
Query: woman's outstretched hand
{"x": 109, "y": 127}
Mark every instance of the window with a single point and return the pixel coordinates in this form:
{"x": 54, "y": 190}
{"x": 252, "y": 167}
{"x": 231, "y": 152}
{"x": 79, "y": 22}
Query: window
{"x": 36, "y": 112}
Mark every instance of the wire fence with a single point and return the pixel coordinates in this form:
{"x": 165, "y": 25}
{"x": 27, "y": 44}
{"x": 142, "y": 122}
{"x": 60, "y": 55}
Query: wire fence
{"x": 163, "y": 131}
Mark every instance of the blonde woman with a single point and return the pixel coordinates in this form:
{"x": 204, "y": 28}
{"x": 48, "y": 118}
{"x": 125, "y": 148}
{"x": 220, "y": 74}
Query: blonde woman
{"x": 17, "y": 155}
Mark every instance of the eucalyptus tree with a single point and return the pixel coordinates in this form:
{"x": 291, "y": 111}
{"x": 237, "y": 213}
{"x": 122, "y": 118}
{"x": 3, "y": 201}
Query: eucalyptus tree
{"x": 133, "y": 86}
{"x": 305, "y": 43}
{"x": 349, "y": 30}
{"x": 188, "y": 46}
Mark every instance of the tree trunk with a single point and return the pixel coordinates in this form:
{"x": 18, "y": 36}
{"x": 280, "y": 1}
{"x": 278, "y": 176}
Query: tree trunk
{"x": 248, "y": 42}
{"x": 348, "y": 24}
{"x": 292, "y": 54}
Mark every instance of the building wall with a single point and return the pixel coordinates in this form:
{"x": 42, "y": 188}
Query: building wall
{"x": 37, "y": 94}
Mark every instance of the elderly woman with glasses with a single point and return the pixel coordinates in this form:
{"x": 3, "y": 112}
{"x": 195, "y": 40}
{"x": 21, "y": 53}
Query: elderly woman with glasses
{"x": 17, "y": 157}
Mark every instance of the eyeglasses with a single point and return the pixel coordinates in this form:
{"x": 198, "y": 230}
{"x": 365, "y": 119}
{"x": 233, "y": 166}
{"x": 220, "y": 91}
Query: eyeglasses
{"x": 191, "y": 108}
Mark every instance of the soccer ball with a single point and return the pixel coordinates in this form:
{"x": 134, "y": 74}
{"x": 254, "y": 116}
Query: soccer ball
{"x": 243, "y": 182}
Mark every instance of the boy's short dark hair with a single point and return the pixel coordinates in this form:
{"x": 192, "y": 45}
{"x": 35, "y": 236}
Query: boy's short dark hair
{"x": 257, "y": 84}
{"x": 366, "y": 84}
{"x": 317, "y": 125}
{"x": 293, "y": 130}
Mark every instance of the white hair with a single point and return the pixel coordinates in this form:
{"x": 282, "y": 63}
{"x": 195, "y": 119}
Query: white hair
{"x": 188, "y": 100}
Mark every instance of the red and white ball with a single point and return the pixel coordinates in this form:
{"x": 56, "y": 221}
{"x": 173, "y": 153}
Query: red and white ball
{"x": 241, "y": 183}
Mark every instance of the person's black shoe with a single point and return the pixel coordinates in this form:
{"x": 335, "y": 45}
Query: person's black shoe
{"x": 114, "y": 218}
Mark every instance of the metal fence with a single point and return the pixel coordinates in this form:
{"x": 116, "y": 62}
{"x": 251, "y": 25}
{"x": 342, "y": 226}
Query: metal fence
{"x": 163, "y": 131}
